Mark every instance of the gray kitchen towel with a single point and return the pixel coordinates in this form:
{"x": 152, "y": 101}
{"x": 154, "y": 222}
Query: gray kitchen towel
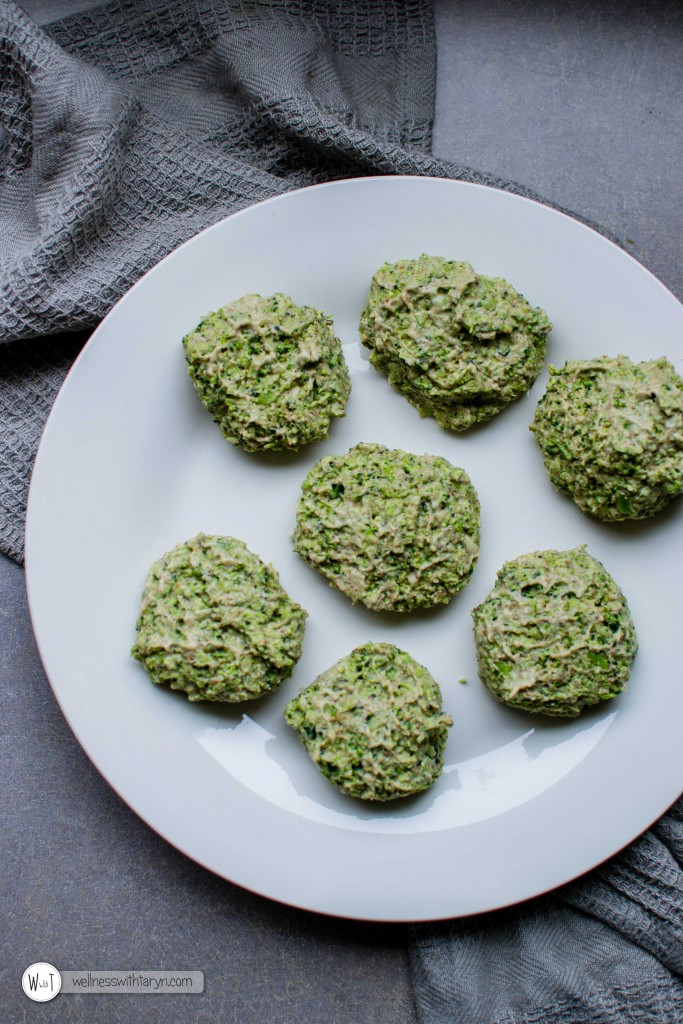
{"x": 127, "y": 129}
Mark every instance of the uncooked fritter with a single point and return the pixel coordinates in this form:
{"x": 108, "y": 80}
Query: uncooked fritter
{"x": 271, "y": 373}
{"x": 555, "y": 634}
{"x": 611, "y": 434}
{"x": 392, "y": 530}
{"x": 458, "y": 345}
{"x": 216, "y": 623}
{"x": 373, "y": 723}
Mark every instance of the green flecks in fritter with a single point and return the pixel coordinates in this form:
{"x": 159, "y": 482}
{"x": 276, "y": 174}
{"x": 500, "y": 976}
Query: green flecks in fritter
{"x": 270, "y": 373}
{"x": 611, "y": 434}
{"x": 391, "y": 530}
{"x": 555, "y": 634}
{"x": 216, "y": 623}
{"x": 373, "y": 724}
{"x": 458, "y": 345}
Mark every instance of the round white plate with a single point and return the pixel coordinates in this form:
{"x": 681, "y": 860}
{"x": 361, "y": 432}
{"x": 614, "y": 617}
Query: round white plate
{"x": 130, "y": 464}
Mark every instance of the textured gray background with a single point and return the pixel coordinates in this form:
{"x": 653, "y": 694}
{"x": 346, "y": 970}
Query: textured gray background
{"x": 582, "y": 103}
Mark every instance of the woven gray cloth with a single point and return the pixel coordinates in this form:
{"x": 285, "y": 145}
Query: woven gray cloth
{"x": 125, "y": 131}
{"x": 129, "y": 128}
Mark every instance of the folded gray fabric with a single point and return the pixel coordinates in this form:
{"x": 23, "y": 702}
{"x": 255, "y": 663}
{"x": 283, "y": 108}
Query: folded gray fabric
{"x": 607, "y": 949}
{"x": 129, "y": 128}
{"x": 125, "y": 131}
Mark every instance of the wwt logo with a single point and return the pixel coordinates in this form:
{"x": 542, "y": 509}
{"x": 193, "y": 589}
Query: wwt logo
{"x": 41, "y": 982}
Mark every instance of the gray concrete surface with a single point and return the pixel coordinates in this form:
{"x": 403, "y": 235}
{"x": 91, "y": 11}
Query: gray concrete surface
{"x": 581, "y": 102}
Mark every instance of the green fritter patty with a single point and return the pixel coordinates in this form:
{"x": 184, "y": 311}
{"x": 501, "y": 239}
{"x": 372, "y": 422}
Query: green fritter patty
{"x": 271, "y": 373}
{"x": 373, "y": 723}
{"x": 555, "y": 634}
{"x": 392, "y": 530}
{"x": 458, "y": 345}
{"x": 216, "y": 623}
{"x": 611, "y": 434}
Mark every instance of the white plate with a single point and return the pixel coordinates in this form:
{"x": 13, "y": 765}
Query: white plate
{"x": 130, "y": 464}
